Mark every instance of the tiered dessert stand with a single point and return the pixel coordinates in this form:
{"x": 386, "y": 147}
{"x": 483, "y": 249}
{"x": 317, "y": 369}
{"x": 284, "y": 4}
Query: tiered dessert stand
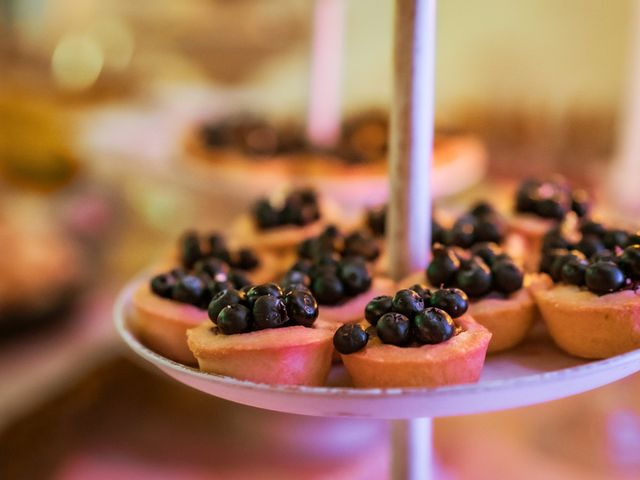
{"x": 535, "y": 372}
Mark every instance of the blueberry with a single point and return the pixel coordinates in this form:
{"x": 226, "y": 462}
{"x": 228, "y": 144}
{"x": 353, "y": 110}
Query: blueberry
{"x": 350, "y": 338}
{"x": 326, "y": 264}
{"x": 302, "y": 265}
{"x": 452, "y": 300}
{"x": 377, "y": 307}
{"x": 376, "y": 220}
{"x": 314, "y": 247}
{"x": 423, "y": 291}
{"x": 190, "y": 251}
{"x": 482, "y": 208}
{"x": 490, "y": 228}
{"x": 590, "y": 244}
{"x": 394, "y": 329}
{"x": 507, "y": 276}
{"x": 615, "y": 238}
{"x": 559, "y": 261}
{"x": 550, "y": 208}
{"x": 604, "y": 277}
{"x": 548, "y": 257}
{"x": 407, "y": 302}
{"x": 354, "y": 275}
{"x": 327, "y": 289}
{"x": 331, "y": 237}
{"x": 554, "y": 239}
{"x": 437, "y": 232}
{"x": 269, "y": 312}
{"x": 223, "y": 299}
{"x": 630, "y": 261}
{"x": 474, "y": 278}
{"x": 234, "y": 319}
{"x": 213, "y": 267}
{"x": 359, "y": 244}
{"x": 299, "y": 209}
{"x": 272, "y": 289}
{"x": 302, "y": 308}
{"x": 589, "y": 227}
{"x": 574, "y": 270}
{"x": 306, "y": 195}
{"x": 162, "y": 285}
{"x": 238, "y": 278}
{"x": 295, "y": 277}
{"x": 244, "y": 259}
{"x": 218, "y": 246}
{"x": 443, "y": 267}
{"x": 606, "y": 255}
{"x": 580, "y": 203}
{"x": 434, "y": 325}
{"x": 189, "y": 289}
{"x": 525, "y": 196}
{"x": 487, "y": 251}
{"x": 216, "y": 286}
{"x": 266, "y": 215}
{"x": 462, "y": 233}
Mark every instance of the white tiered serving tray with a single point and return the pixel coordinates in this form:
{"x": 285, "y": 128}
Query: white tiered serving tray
{"x": 533, "y": 373}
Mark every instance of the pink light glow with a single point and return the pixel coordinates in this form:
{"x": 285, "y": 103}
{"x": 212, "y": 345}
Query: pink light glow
{"x": 323, "y": 120}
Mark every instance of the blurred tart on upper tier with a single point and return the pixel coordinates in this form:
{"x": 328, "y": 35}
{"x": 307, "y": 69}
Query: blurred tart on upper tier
{"x": 496, "y": 285}
{"x": 353, "y": 170}
{"x": 266, "y": 335}
{"x": 408, "y": 342}
{"x": 593, "y": 308}
{"x": 337, "y": 268}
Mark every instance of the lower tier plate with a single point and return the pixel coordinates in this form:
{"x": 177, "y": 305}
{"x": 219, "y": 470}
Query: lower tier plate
{"x": 534, "y": 372}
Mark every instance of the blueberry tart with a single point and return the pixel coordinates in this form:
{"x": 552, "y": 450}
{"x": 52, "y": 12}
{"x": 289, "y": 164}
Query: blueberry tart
{"x": 415, "y": 338}
{"x": 174, "y": 300}
{"x": 593, "y": 308}
{"x": 264, "y": 334}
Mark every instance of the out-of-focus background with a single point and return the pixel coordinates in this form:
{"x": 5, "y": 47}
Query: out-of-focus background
{"x": 95, "y": 100}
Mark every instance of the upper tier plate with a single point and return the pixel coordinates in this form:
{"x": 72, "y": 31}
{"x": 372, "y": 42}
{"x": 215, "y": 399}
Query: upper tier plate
{"x": 533, "y": 373}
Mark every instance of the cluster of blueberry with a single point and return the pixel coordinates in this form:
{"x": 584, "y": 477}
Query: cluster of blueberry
{"x": 300, "y": 207}
{"x": 363, "y": 138}
{"x": 198, "y": 285}
{"x": 551, "y": 199}
{"x": 485, "y": 268}
{"x": 603, "y": 260}
{"x": 413, "y": 316}
{"x": 263, "y": 306}
{"x": 482, "y": 223}
{"x": 252, "y": 135}
{"x": 333, "y": 242}
{"x": 194, "y": 248}
{"x": 331, "y": 279}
